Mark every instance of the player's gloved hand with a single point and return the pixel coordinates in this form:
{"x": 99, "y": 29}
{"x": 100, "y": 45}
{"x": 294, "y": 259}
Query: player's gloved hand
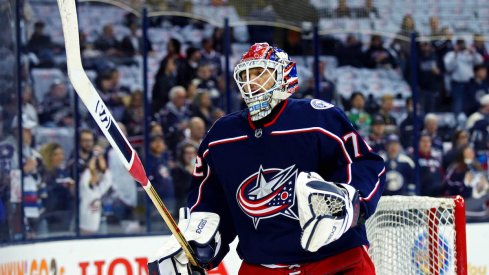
{"x": 200, "y": 230}
{"x": 326, "y": 210}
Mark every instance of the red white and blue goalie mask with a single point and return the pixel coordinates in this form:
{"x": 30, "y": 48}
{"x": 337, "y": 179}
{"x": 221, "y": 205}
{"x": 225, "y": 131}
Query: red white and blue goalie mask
{"x": 275, "y": 64}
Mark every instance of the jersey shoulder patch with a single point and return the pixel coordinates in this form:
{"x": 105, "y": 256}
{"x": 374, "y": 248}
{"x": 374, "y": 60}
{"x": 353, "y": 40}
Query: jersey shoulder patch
{"x": 320, "y": 104}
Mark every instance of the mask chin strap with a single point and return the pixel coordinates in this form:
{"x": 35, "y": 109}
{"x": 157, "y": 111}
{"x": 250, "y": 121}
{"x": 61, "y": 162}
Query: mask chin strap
{"x": 280, "y": 95}
{"x": 275, "y": 97}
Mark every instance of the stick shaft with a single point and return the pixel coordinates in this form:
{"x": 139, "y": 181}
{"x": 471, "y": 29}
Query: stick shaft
{"x": 90, "y": 97}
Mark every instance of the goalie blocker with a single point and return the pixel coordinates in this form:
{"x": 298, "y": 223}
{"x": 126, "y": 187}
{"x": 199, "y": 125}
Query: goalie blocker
{"x": 200, "y": 229}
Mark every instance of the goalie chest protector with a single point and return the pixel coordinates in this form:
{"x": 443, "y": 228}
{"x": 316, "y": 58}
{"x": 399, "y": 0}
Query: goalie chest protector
{"x": 247, "y": 175}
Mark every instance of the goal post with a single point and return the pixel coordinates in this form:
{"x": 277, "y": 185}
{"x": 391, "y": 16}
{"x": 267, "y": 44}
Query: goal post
{"x": 418, "y": 235}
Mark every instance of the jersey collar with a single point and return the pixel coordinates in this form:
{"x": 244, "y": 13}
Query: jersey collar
{"x": 270, "y": 119}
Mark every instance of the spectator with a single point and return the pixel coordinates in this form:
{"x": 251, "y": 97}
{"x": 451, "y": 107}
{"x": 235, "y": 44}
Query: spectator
{"x": 462, "y": 171}
{"x": 350, "y": 53}
{"x": 368, "y": 10}
{"x": 435, "y": 26}
{"x": 476, "y": 88}
{"x": 478, "y": 124}
{"x": 193, "y": 88}
{"x": 429, "y": 77}
{"x": 217, "y": 114}
{"x": 29, "y": 104}
{"x": 442, "y": 46}
{"x": 41, "y": 45}
{"x": 107, "y": 42}
{"x": 360, "y": 119}
{"x": 431, "y": 129}
{"x": 293, "y": 43}
{"x": 174, "y": 117}
{"x": 111, "y": 94}
{"x": 7, "y": 153}
{"x": 377, "y": 56}
{"x": 376, "y": 139}
{"x": 173, "y": 49}
{"x": 466, "y": 177}
{"x": 155, "y": 128}
{"x": 430, "y": 169}
{"x": 182, "y": 173}
{"x": 459, "y": 64}
{"x": 167, "y": 72}
{"x": 34, "y": 191}
{"x": 460, "y": 138}
{"x": 115, "y": 78}
{"x": 197, "y": 131}
{"x": 187, "y": 69}
{"x": 95, "y": 181}
{"x": 158, "y": 170}
{"x": 165, "y": 79}
{"x": 342, "y": 10}
{"x": 124, "y": 187}
{"x": 386, "y": 107}
{"x": 482, "y": 112}
{"x": 87, "y": 142}
{"x": 208, "y": 82}
{"x": 371, "y": 105}
{"x": 86, "y": 48}
{"x": 60, "y": 188}
{"x": 132, "y": 44}
{"x": 211, "y": 56}
{"x": 399, "y": 169}
{"x": 133, "y": 116}
{"x": 218, "y": 39}
{"x": 406, "y": 129}
{"x": 480, "y": 46}
{"x": 55, "y": 109}
{"x": 202, "y": 108}
{"x": 327, "y": 89}
{"x": 402, "y": 42}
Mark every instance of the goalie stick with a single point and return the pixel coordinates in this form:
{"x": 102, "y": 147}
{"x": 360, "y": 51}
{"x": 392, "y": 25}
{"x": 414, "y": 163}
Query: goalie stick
{"x": 90, "y": 97}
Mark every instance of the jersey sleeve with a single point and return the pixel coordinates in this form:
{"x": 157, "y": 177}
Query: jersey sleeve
{"x": 351, "y": 160}
{"x": 206, "y": 195}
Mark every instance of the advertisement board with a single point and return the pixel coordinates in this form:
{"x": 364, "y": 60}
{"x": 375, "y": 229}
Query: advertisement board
{"x": 128, "y": 256}
{"x": 109, "y": 256}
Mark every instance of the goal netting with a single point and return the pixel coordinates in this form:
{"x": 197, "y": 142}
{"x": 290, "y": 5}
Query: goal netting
{"x": 418, "y": 235}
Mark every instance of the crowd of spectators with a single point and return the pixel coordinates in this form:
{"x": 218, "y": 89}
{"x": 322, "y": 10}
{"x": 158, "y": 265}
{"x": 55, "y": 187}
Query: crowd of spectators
{"x": 188, "y": 97}
{"x": 446, "y": 168}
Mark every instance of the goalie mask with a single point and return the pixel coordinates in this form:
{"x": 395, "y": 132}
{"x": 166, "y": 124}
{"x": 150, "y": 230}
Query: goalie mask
{"x": 265, "y": 76}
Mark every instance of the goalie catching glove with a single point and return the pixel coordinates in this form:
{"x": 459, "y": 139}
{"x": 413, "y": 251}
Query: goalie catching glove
{"x": 200, "y": 230}
{"x": 326, "y": 210}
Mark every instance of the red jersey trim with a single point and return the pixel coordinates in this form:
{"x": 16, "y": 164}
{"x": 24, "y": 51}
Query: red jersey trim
{"x": 273, "y": 120}
{"x": 227, "y": 140}
{"x": 375, "y": 188}
{"x": 200, "y": 189}
{"x": 206, "y": 152}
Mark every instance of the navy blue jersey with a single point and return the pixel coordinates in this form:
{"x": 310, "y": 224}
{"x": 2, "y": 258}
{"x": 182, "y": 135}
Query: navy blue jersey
{"x": 247, "y": 175}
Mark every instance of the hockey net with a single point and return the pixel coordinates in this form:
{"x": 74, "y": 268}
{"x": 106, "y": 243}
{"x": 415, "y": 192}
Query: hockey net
{"x": 418, "y": 235}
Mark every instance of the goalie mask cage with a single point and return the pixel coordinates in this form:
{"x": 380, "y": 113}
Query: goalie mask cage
{"x": 418, "y": 235}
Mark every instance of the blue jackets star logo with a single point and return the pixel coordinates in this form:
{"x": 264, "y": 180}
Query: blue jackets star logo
{"x": 268, "y": 193}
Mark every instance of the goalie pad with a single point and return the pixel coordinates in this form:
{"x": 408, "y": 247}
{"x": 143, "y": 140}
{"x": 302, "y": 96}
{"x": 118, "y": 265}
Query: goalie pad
{"x": 326, "y": 210}
{"x": 200, "y": 230}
